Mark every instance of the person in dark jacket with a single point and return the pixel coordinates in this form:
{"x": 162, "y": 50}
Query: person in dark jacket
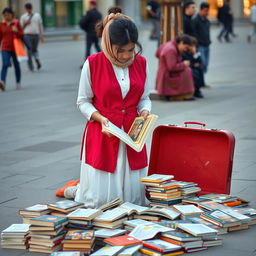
{"x": 226, "y": 19}
{"x": 87, "y": 23}
{"x": 202, "y": 34}
{"x": 195, "y": 64}
{"x": 153, "y": 9}
{"x": 189, "y": 11}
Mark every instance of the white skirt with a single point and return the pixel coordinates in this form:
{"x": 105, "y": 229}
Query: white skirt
{"x": 99, "y": 187}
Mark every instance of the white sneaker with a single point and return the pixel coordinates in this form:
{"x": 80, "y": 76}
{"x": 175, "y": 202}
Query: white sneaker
{"x": 70, "y": 192}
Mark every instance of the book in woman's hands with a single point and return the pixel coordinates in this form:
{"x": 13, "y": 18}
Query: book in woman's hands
{"x": 137, "y": 134}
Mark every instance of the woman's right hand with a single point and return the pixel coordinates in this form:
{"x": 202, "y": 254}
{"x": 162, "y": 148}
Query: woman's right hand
{"x": 104, "y": 122}
{"x": 186, "y": 63}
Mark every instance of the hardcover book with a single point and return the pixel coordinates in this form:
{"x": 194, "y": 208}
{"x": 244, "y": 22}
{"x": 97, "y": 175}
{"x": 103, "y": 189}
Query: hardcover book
{"x": 160, "y": 245}
{"x": 65, "y": 206}
{"x": 197, "y": 229}
{"x": 124, "y": 240}
{"x": 35, "y": 210}
{"x": 48, "y": 220}
{"x": 129, "y": 251}
{"x": 108, "y": 251}
{"x": 79, "y": 235}
{"x": 105, "y": 233}
{"x": 137, "y": 134}
{"x": 84, "y": 214}
{"x": 157, "y": 178}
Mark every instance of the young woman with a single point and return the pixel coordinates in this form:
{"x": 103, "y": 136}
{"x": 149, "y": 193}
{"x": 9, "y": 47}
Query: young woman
{"x": 174, "y": 76}
{"x": 113, "y": 87}
{"x": 10, "y": 28}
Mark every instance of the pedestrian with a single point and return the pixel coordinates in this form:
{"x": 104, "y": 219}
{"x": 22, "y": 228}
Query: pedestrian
{"x": 202, "y": 34}
{"x": 189, "y": 11}
{"x": 195, "y": 64}
{"x": 33, "y": 33}
{"x": 153, "y": 9}
{"x": 87, "y": 23}
{"x": 225, "y": 17}
{"x": 118, "y": 91}
{"x": 174, "y": 77}
{"x": 10, "y": 28}
{"x": 253, "y": 21}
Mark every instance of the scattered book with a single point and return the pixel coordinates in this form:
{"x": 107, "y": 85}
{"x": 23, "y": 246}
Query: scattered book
{"x": 84, "y": 214}
{"x": 108, "y": 251}
{"x": 188, "y": 210}
{"x": 124, "y": 240}
{"x": 180, "y": 235}
{"x": 65, "y": 254}
{"x": 35, "y": 210}
{"x": 130, "y": 251}
{"x": 105, "y": 233}
{"x": 117, "y": 201}
{"x": 137, "y": 134}
{"x": 48, "y": 221}
{"x": 65, "y": 206}
{"x": 157, "y": 178}
{"x": 160, "y": 245}
{"x": 147, "y": 251}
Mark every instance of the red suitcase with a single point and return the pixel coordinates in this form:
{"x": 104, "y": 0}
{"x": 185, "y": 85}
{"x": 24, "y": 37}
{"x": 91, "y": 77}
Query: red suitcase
{"x": 201, "y": 155}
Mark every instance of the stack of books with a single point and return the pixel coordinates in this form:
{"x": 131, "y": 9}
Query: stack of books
{"x": 64, "y": 207}
{"x": 15, "y": 236}
{"x": 46, "y": 233}
{"x": 161, "y": 190}
{"x": 33, "y": 211}
{"x": 188, "y": 210}
{"x": 82, "y": 218}
{"x": 207, "y": 234}
{"x": 188, "y": 189}
{"x": 79, "y": 240}
{"x": 158, "y": 247}
{"x": 111, "y": 219}
{"x": 179, "y": 237}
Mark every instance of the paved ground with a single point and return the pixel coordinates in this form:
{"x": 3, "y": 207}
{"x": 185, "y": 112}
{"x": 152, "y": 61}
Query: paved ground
{"x": 41, "y": 128}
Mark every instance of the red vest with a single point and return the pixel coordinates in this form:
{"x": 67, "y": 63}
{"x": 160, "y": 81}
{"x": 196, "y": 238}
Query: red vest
{"x": 100, "y": 150}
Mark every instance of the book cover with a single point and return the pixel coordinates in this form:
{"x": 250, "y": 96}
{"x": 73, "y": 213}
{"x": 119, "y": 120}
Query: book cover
{"x": 84, "y": 214}
{"x": 197, "y": 229}
{"x": 124, "y": 240}
{"x": 65, "y": 254}
{"x": 105, "y": 233}
{"x": 129, "y": 251}
{"x": 79, "y": 235}
{"x": 48, "y": 220}
{"x": 160, "y": 245}
{"x": 157, "y": 178}
{"x": 219, "y": 198}
{"x": 145, "y": 129}
{"x": 147, "y": 251}
{"x": 108, "y": 251}
{"x": 180, "y": 235}
{"x": 64, "y": 205}
{"x": 17, "y": 228}
{"x": 188, "y": 209}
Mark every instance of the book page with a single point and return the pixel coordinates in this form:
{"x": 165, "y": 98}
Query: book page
{"x": 111, "y": 215}
{"x": 133, "y": 207}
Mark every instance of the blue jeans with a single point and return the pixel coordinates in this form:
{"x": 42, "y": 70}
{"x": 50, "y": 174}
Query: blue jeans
{"x": 205, "y": 55}
{"x": 6, "y": 60}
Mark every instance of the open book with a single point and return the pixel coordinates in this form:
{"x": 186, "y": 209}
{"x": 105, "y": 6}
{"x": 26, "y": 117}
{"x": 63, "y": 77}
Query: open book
{"x": 137, "y": 134}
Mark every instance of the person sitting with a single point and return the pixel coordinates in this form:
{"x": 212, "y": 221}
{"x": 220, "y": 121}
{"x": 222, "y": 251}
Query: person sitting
{"x": 195, "y": 64}
{"x": 174, "y": 76}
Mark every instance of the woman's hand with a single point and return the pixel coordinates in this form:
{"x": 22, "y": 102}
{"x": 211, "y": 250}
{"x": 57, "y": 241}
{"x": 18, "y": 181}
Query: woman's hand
{"x": 14, "y": 29}
{"x": 144, "y": 114}
{"x": 186, "y": 63}
{"x": 104, "y": 122}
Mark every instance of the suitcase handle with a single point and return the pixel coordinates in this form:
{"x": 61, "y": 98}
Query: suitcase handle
{"x": 194, "y": 122}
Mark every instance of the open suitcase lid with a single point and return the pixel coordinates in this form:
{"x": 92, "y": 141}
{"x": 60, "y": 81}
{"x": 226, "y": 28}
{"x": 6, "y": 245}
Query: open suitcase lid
{"x": 200, "y": 155}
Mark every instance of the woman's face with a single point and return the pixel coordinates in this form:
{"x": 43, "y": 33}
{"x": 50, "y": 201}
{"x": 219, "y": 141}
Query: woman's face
{"x": 124, "y": 53}
{"x": 182, "y": 47}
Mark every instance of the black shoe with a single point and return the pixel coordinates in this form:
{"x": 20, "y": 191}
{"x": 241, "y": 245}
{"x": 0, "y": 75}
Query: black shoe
{"x": 39, "y": 65}
{"x": 2, "y": 86}
{"x": 198, "y": 94}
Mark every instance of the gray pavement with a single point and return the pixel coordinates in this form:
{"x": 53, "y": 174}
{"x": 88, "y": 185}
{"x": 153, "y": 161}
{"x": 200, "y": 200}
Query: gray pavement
{"x": 41, "y": 128}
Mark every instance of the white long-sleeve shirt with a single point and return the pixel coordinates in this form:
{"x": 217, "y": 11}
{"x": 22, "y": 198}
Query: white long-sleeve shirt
{"x": 85, "y": 93}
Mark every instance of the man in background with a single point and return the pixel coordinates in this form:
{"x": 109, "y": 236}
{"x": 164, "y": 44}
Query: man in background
{"x": 87, "y": 23}
{"x": 189, "y": 12}
{"x": 202, "y": 34}
{"x": 153, "y": 9}
{"x": 32, "y": 25}
{"x": 253, "y": 21}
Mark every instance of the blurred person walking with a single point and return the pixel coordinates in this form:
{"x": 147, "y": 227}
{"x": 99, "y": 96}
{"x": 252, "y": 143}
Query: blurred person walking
{"x": 33, "y": 32}
{"x": 10, "y": 28}
{"x": 202, "y": 34}
{"x": 225, "y": 17}
{"x": 189, "y": 11}
{"x": 153, "y": 9}
{"x": 253, "y": 21}
{"x": 174, "y": 78}
{"x": 87, "y": 23}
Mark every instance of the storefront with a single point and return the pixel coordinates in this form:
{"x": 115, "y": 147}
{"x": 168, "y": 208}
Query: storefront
{"x": 61, "y": 13}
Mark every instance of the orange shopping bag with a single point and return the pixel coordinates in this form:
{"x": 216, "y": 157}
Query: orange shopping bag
{"x": 19, "y": 49}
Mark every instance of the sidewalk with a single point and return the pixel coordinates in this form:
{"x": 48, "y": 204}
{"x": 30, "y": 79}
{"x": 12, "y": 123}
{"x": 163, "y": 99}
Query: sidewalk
{"x": 41, "y": 127}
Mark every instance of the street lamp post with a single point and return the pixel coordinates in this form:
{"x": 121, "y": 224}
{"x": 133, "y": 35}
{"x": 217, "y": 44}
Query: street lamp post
{"x": 171, "y": 19}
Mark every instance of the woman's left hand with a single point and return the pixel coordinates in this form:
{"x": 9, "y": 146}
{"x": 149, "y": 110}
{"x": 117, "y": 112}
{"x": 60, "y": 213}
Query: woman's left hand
{"x": 144, "y": 114}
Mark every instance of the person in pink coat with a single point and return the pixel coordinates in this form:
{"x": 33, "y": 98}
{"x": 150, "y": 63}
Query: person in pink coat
{"x": 174, "y": 77}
